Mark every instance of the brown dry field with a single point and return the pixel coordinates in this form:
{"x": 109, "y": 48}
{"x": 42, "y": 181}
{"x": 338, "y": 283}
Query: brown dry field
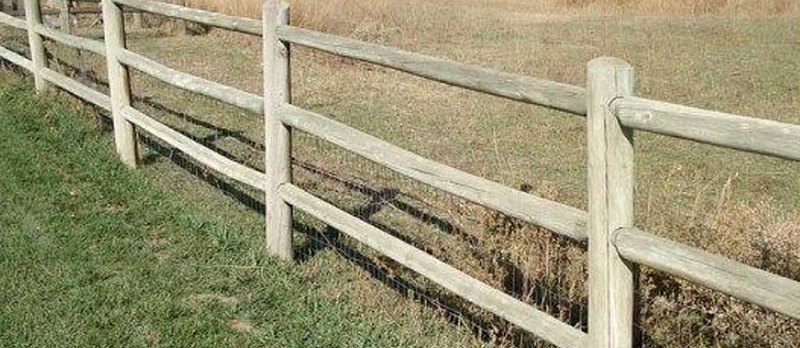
{"x": 734, "y": 56}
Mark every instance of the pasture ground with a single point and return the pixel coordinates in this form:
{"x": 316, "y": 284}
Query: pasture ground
{"x": 93, "y": 254}
{"x": 739, "y": 205}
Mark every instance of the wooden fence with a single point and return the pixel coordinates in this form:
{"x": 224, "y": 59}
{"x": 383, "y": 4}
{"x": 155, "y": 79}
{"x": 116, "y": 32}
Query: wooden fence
{"x": 611, "y": 110}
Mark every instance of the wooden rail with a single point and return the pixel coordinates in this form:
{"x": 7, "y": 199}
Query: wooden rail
{"x": 16, "y": 58}
{"x": 242, "y": 25}
{"x": 730, "y": 277}
{"x": 515, "y": 311}
{"x": 79, "y": 90}
{"x": 732, "y": 131}
{"x": 226, "y": 94}
{"x": 515, "y": 87}
{"x": 564, "y": 220}
{"x": 12, "y": 21}
{"x": 195, "y": 150}
{"x": 78, "y": 42}
{"x": 613, "y": 113}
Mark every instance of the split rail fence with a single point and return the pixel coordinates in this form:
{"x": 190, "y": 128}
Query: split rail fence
{"x": 615, "y": 246}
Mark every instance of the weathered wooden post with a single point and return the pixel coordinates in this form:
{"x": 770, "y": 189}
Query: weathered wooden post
{"x": 118, "y": 82}
{"x": 610, "y": 181}
{"x": 66, "y": 21}
{"x": 33, "y": 16}
{"x": 278, "y": 137}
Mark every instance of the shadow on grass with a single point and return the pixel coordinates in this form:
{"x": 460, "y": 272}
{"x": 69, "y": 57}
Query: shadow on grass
{"x": 455, "y": 309}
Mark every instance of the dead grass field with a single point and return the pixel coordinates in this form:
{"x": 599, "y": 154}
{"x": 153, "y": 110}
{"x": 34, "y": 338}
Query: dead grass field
{"x": 735, "y": 56}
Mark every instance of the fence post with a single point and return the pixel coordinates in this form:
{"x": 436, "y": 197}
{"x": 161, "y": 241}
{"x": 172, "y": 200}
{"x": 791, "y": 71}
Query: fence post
{"x": 118, "y": 82}
{"x": 278, "y": 137}
{"x": 610, "y": 182}
{"x": 66, "y": 21}
{"x": 33, "y": 16}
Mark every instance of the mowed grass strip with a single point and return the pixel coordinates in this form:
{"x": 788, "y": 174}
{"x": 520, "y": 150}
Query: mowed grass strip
{"x": 92, "y": 255}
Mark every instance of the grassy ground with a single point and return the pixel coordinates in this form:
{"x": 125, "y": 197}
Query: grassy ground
{"x": 92, "y": 254}
{"x": 739, "y": 205}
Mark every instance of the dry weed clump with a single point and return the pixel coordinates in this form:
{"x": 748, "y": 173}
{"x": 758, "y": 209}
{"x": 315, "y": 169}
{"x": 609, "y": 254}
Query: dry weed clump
{"x": 680, "y": 313}
{"x": 550, "y": 272}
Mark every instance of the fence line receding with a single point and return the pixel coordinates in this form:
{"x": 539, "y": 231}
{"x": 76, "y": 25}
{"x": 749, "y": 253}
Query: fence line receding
{"x": 613, "y": 114}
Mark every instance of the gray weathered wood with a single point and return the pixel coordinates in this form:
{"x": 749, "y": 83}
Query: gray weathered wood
{"x": 226, "y": 94}
{"x": 74, "y": 87}
{"x": 243, "y": 25}
{"x": 525, "y": 89}
{"x": 16, "y": 58}
{"x": 33, "y": 18}
{"x": 461, "y": 284}
{"x": 556, "y": 217}
{"x": 730, "y": 277}
{"x": 716, "y": 128}
{"x": 13, "y": 21}
{"x": 66, "y": 20}
{"x": 195, "y": 150}
{"x": 277, "y": 136}
{"x": 78, "y": 42}
{"x": 119, "y": 83}
{"x": 610, "y": 185}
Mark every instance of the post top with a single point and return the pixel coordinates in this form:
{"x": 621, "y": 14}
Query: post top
{"x": 606, "y": 62}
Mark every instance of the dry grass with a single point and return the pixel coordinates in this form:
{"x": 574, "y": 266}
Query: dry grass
{"x": 718, "y": 200}
{"x": 351, "y": 10}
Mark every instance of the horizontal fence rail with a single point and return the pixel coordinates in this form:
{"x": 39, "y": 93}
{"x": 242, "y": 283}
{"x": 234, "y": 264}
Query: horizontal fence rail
{"x": 79, "y": 90}
{"x": 195, "y": 150}
{"x": 524, "y": 89}
{"x": 16, "y": 58}
{"x": 515, "y": 87}
{"x": 74, "y": 41}
{"x": 730, "y": 277}
{"x": 732, "y": 131}
{"x": 556, "y": 217}
{"x": 13, "y": 21}
{"x": 515, "y": 311}
{"x": 199, "y": 85}
{"x": 242, "y": 25}
{"x": 612, "y": 186}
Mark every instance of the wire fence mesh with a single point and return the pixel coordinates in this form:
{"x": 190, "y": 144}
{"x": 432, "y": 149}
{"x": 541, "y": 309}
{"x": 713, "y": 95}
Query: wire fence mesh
{"x": 522, "y": 260}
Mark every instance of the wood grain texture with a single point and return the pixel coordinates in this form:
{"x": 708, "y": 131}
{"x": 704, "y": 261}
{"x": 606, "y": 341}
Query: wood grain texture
{"x": 16, "y": 58}
{"x": 199, "y": 85}
{"x": 78, "y": 42}
{"x": 79, "y": 90}
{"x": 525, "y": 89}
{"x": 195, "y": 150}
{"x": 610, "y": 185}
{"x": 727, "y": 130}
{"x": 36, "y": 43}
{"x": 13, "y": 21}
{"x": 66, "y": 20}
{"x": 461, "y": 284}
{"x": 119, "y": 83}
{"x": 277, "y": 136}
{"x": 239, "y": 24}
{"x": 556, "y": 217}
{"x": 730, "y": 277}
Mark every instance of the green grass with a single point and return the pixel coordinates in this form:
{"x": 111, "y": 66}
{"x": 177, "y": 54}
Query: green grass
{"x": 738, "y": 205}
{"x": 94, "y": 255}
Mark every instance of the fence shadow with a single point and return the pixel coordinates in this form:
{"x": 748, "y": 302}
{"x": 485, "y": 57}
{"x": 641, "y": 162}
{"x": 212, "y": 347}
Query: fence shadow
{"x": 454, "y": 309}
